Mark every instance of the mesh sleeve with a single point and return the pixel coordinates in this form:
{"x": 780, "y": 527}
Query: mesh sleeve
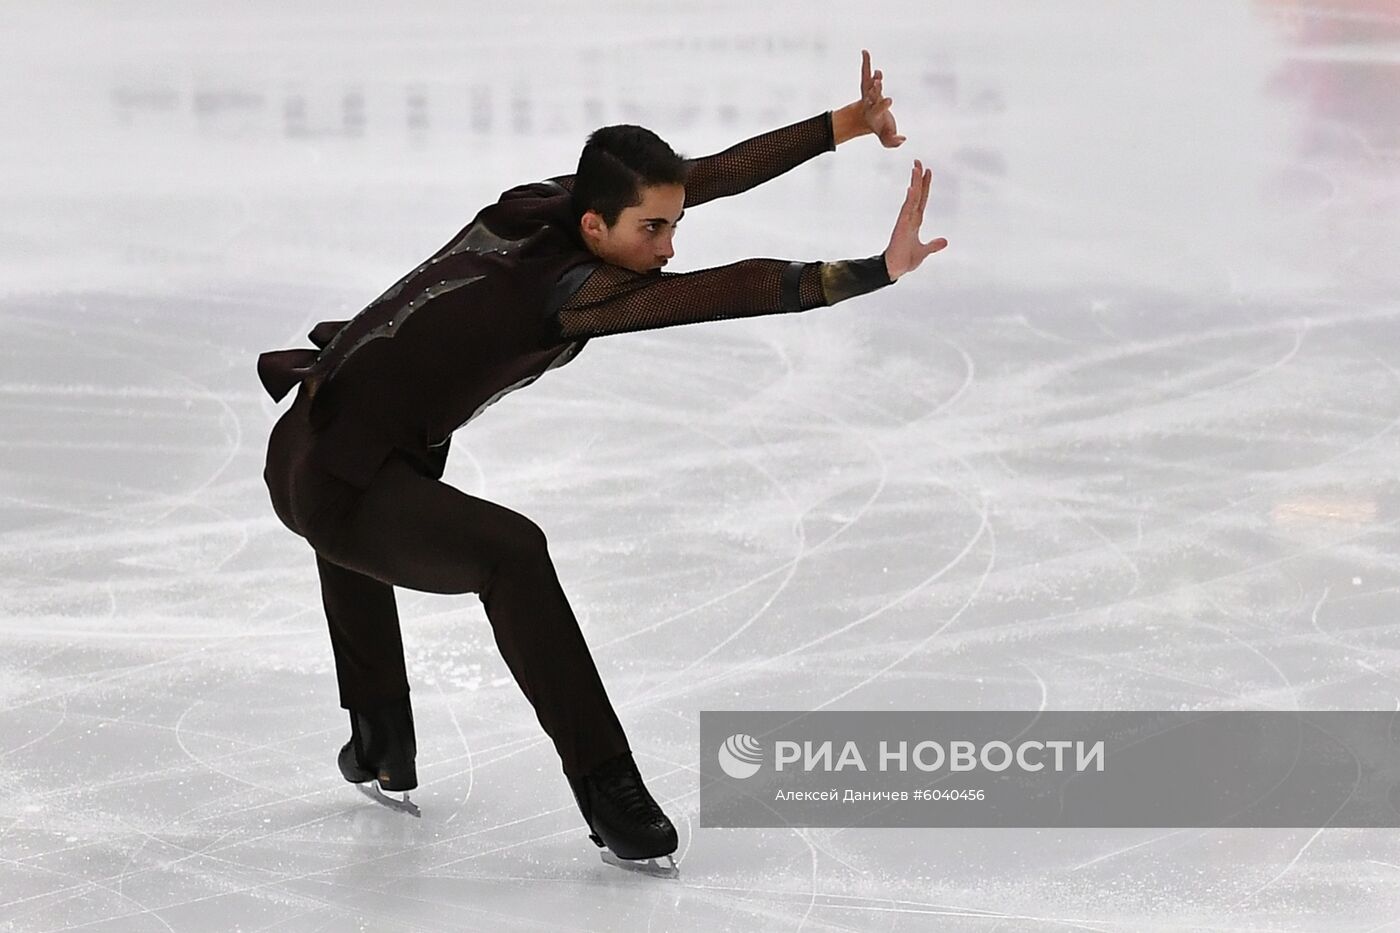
{"x": 613, "y": 300}
{"x": 750, "y": 163}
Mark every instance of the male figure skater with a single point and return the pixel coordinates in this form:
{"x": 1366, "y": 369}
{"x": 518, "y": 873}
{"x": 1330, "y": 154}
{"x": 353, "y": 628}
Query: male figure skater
{"x": 355, "y": 465}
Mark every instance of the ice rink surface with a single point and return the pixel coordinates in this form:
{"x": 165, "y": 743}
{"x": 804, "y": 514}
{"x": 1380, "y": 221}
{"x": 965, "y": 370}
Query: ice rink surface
{"x": 1130, "y": 442}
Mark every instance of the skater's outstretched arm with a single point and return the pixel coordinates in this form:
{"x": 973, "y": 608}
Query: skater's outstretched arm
{"x": 751, "y": 162}
{"x": 754, "y": 161}
{"x": 613, "y": 300}
{"x": 764, "y": 157}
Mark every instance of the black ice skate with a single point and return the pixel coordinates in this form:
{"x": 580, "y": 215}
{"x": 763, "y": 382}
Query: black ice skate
{"x": 625, "y": 821}
{"x": 381, "y": 750}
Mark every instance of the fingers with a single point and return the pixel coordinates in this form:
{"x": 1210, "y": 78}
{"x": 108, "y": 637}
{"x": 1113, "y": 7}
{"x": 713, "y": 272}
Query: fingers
{"x": 909, "y": 210}
{"x": 916, "y": 197}
{"x": 924, "y": 178}
{"x": 871, "y": 86}
{"x": 866, "y": 78}
{"x": 920, "y": 179}
{"x": 871, "y": 95}
{"x": 889, "y": 134}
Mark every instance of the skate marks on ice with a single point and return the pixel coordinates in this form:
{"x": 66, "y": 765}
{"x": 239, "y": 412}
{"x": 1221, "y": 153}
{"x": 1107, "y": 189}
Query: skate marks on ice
{"x": 1211, "y": 503}
{"x": 125, "y": 486}
{"x": 1206, "y": 502}
{"x": 1129, "y": 530}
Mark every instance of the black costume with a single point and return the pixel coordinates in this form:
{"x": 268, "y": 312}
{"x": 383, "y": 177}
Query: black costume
{"x": 354, "y": 466}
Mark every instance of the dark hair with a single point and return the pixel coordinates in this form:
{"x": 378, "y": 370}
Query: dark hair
{"x": 616, "y": 163}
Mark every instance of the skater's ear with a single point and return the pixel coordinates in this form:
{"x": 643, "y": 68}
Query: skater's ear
{"x": 592, "y": 226}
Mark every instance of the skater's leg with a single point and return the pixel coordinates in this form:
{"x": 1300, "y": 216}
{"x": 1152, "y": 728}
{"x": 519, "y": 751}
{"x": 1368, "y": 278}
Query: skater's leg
{"x": 412, "y": 531}
{"x": 545, "y": 650}
{"x": 365, "y": 637}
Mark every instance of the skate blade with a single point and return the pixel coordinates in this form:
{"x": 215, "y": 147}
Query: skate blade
{"x": 647, "y": 866}
{"x": 405, "y": 805}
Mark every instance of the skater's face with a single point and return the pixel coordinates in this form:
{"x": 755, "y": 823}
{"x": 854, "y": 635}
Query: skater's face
{"x": 641, "y": 238}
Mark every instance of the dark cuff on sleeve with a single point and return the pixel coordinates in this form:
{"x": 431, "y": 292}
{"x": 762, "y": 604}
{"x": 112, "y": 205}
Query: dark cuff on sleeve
{"x": 790, "y": 296}
{"x": 847, "y": 278}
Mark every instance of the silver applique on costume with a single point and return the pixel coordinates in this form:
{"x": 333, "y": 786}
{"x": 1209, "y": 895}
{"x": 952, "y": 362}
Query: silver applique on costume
{"x": 387, "y": 329}
{"x": 476, "y": 238}
{"x": 479, "y": 238}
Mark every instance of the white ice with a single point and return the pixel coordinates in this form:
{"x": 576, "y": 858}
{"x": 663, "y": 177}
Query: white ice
{"x": 1128, "y": 443}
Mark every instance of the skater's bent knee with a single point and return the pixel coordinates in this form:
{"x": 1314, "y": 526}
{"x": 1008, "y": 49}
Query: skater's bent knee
{"x": 521, "y": 547}
{"x": 526, "y": 539}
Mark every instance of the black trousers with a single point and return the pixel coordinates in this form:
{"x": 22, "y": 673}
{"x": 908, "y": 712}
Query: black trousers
{"x": 414, "y": 531}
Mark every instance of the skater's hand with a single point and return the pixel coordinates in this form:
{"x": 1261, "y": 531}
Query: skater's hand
{"x": 870, "y": 114}
{"x": 905, "y": 252}
{"x": 874, "y": 106}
